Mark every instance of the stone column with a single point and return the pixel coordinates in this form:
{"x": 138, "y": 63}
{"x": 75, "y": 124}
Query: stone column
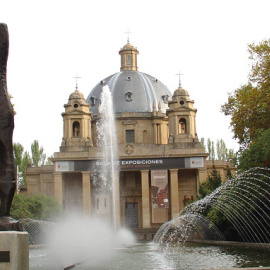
{"x": 58, "y": 187}
{"x": 201, "y": 177}
{"x": 155, "y": 133}
{"x": 145, "y": 198}
{"x": 174, "y": 196}
{"x": 117, "y": 201}
{"x": 86, "y": 192}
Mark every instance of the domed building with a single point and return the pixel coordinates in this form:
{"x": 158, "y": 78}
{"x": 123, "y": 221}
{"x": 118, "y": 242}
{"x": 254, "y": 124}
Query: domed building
{"x": 161, "y": 161}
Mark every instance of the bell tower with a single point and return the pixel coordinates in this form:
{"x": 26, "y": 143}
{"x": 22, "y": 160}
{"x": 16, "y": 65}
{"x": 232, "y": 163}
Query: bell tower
{"x": 77, "y": 123}
{"x": 181, "y": 114}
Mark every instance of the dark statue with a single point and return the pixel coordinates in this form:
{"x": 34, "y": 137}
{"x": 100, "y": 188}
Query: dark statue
{"x": 7, "y": 167}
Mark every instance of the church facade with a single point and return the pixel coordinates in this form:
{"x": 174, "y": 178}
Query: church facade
{"x": 161, "y": 161}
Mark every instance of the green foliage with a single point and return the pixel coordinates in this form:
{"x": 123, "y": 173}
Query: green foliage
{"x": 228, "y": 173}
{"x": 10, "y": 97}
{"x": 258, "y": 154}
{"x": 38, "y": 206}
{"x": 22, "y": 161}
{"x": 19, "y": 208}
{"x": 224, "y": 225}
{"x": 38, "y": 155}
{"x": 213, "y": 181}
{"x": 249, "y": 105}
{"x": 220, "y": 152}
{"x": 202, "y": 143}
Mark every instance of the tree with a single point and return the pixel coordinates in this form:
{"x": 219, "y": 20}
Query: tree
{"x": 18, "y": 153}
{"x": 258, "y": 154}
{"x": 38, "y": 206}
{"x": 211, "y": 149}
{"x": 213, "y": 181}
{"x": 202, "y": 142}
{"x": 249, "y": 105}
{"x": 221, "y": 151}
{"x": 38, "y": 155}
{"x": 22, "y": 160}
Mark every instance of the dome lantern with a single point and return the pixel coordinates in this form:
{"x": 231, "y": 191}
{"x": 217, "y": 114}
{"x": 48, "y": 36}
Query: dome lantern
{"x": 128, "y": 57}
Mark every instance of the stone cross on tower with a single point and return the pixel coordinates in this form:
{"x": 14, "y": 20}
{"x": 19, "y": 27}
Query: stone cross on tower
{"x": 128, "y": 32}
{"x": 76, "y": 77}
{"x": 179, "y": 74}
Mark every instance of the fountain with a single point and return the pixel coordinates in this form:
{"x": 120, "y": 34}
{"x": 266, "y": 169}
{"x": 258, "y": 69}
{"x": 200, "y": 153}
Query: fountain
{"x": 107, "y": 186}
{"x": 244, "y": 201}
{"x": 91, "y": 240}
{"x": 98, "y": 245}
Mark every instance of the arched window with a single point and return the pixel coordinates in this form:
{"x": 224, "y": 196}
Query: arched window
{"x": 76, "y": 129}
{"x": 93, "y": 101}
{"x": 182, "y": 126}
{"x": 128, "y": 96}
{"x": 129, "y": 59}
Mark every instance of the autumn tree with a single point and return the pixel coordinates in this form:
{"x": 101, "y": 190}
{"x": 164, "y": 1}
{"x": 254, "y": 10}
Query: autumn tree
{"x": 249, "y": 105}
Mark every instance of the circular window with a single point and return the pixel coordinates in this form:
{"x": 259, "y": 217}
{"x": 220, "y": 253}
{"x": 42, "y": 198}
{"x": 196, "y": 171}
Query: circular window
{"x": 75, "y": 105}
{"x": 182, "y": 102}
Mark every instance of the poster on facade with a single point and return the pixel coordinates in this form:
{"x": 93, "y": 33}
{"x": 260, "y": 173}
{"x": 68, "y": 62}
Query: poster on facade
{"x": 63, "y": 166}
{"x": 194, "y": 162}
{"x": 159, "y": 189}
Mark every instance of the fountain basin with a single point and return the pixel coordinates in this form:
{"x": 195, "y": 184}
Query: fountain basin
{"x": 151, "y": 256}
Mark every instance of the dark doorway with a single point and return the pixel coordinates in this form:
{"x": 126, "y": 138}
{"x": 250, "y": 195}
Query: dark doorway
{"x": 131, "y": 215}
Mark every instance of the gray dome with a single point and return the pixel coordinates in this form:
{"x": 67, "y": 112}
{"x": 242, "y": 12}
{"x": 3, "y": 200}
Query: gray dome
{"x": 132, "y": 91}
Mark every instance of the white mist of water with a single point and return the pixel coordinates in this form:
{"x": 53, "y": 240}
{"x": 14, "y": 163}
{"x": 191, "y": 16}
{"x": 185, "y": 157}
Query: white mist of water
{"x": 107, "y": 141}
{"x": 85, "y": 240}
{"x": 91, "y": 240}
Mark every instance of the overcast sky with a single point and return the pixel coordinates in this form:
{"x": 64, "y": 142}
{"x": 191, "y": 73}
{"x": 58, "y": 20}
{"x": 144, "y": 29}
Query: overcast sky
{"x": 52, "y": 41}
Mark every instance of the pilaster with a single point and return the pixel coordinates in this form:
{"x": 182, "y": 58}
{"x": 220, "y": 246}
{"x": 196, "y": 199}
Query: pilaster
{"x": 174, "y": 192}
{"x": 145, "y": 198}
{"x": 86, "y": 192}
{"x": 58, "y": 187}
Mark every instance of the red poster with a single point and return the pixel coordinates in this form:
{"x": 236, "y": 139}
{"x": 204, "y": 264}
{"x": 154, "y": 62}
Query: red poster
{"x": 159, "y": 189}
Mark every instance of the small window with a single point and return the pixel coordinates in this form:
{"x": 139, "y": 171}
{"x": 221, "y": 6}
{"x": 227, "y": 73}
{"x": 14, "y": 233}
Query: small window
{"x": 130, "y": 136}
{"x": 128, "y": 96}
{"x": 165, "y": 98}
{"x": 76, "y": 129}
{"x": 75, "y": 105}
{"x": 128, "y": 78}
{"x": 128, "y": 59}
{"x": 93, "y": 101}
{"x": 182, "y": 102}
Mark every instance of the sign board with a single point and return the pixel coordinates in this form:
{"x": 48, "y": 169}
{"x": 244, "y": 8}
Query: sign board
{"x": 131, "y": 164}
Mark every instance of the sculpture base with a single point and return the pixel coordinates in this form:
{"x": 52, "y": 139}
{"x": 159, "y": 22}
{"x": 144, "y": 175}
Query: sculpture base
{"x": 7, "y": 223}
{"x": 14, "y": 250}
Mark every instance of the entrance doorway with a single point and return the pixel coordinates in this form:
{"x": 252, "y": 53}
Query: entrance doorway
{"x": 131, "y": 215}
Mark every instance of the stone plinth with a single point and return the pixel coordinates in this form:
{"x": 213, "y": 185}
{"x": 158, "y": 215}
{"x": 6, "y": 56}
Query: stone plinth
{"x": 14, "y": 250}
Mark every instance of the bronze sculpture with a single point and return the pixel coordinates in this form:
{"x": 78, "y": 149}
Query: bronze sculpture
{"x": 7, "y": 168}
